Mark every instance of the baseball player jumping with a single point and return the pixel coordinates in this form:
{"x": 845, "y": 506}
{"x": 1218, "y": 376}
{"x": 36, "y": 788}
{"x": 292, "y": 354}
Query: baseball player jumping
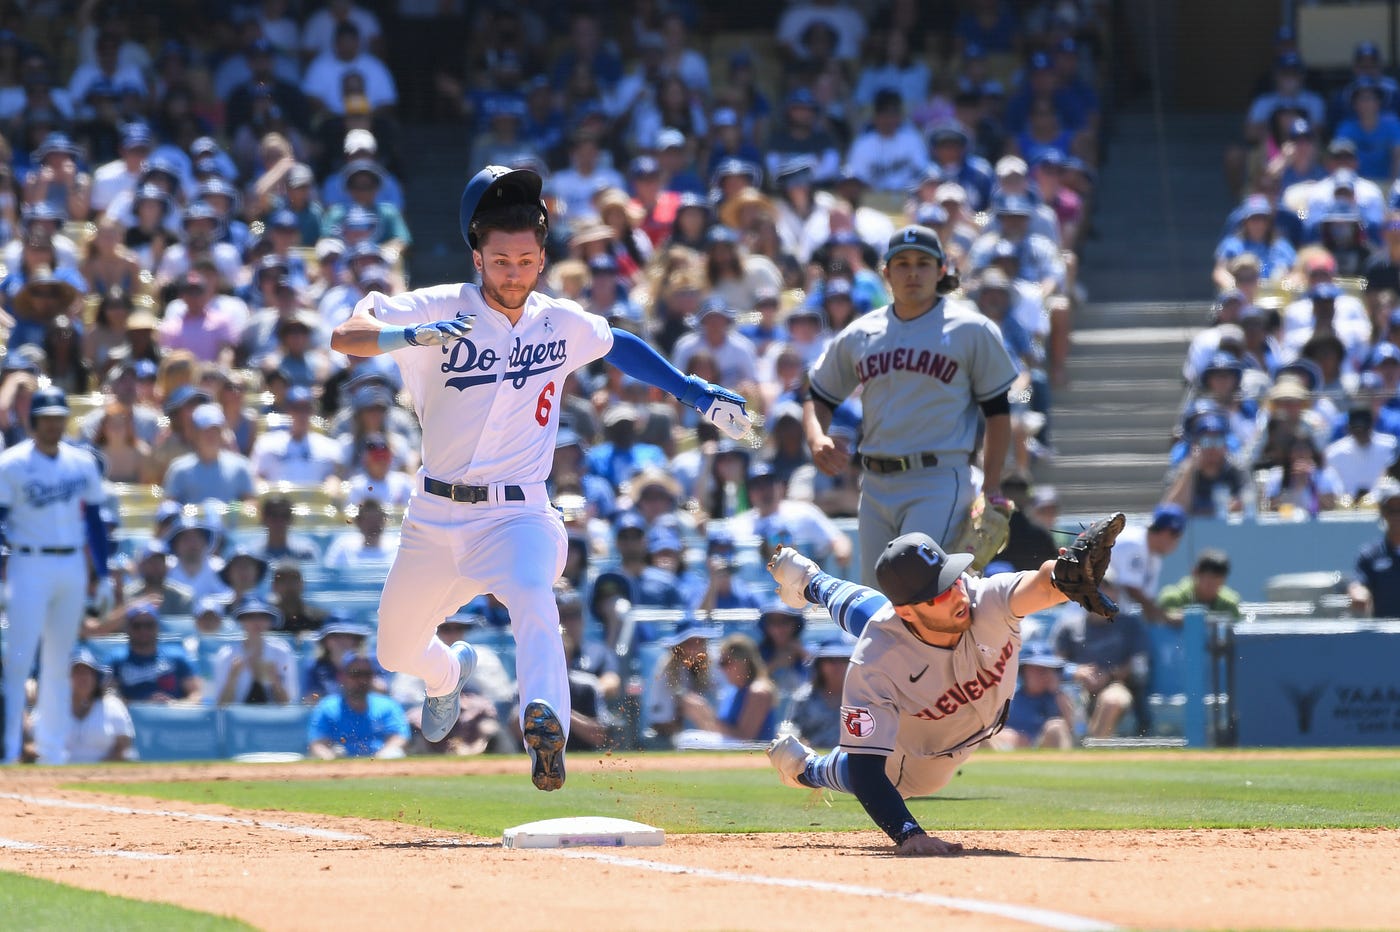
{"x": 933, "y": 673}
{"x": 485, "y": 366}
{"x": 50, "y": 495}
{"x": 925, "y": 364}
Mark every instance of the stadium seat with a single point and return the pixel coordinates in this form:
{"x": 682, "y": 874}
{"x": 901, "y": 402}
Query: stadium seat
{"x": 176, "y": 732}
{"x": 261, "y": 729}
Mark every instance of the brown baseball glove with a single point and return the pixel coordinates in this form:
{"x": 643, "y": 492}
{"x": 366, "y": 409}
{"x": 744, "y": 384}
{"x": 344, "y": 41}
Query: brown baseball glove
{"x": 985, "y": 532}
{"x": 1081, "y": 566}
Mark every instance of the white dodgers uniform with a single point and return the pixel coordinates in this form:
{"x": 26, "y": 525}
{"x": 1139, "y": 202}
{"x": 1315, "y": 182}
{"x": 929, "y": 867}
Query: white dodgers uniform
{"x": 928, "y": 708}
{"x": 489, "y": 407}
{"x": 921, "y": 382}
{"x": 46, "y": 582}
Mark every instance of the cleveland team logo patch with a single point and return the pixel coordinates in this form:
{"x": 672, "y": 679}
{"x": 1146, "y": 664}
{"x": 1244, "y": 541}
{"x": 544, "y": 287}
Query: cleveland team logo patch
{"x": 858, "y": 722}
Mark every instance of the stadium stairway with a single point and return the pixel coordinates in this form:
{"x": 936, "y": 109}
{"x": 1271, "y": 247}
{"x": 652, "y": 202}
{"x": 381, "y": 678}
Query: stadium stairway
{"x": 1146, "y": 267}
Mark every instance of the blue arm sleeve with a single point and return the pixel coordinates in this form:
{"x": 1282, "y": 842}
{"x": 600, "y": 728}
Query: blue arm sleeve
{"x": 878, "y": 796}
{"x": 97, "y": 538}
{"x": 4, "y": 519}
{"x": 851, "y": 605}
{"x": 636, "y": 358}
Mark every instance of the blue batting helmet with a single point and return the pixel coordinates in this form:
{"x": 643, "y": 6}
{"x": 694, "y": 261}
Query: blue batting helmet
{"x": 498, "y": 186}
{"x": 48, "y": 401}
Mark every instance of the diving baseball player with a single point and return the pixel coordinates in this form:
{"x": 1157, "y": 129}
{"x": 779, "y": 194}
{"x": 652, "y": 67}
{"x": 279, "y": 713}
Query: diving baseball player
{"x": 925, "y": 365}
{"x": 932, "y": 675}
{"x": 485, "y": 366}
{"x": 50, "y": 494}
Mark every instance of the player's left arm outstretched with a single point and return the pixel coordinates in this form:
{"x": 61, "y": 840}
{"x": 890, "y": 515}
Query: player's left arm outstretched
{"x": 724, "y": 408}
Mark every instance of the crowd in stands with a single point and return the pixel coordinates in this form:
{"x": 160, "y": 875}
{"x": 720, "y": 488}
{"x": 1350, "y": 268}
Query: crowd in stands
{"x": 1292, "y": 401}
{"x": 188, "y": 208}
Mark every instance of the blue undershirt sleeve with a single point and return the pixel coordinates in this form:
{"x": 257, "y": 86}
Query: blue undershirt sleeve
{"x": 851, "y": 605}
{"x": 636, "y": 358}
{"x": 97, "y": 538}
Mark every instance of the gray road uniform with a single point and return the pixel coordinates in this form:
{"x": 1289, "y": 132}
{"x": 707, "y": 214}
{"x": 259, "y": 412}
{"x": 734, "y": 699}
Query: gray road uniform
{"x": 921, "y": 382}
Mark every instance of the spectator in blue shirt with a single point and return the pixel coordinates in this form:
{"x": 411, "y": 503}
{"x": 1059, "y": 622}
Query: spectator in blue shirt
{"x": 357, "y": 722}
{"x": 620, "y": 456}
{"x": 1041, "y": 715}
{"x": 1257, "y": 236}
{"x": 151, "y": 671}
{"x": 1375, "y": 133}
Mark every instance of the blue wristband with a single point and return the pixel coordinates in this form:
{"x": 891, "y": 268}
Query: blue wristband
{"x": 392, "y": 339}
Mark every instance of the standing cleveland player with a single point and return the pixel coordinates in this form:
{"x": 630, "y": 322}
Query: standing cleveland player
{"x": 925, "y": 364}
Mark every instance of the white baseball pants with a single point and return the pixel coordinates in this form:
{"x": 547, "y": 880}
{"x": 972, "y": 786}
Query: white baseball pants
{"x": 46, "y": 594}
{"x": 449, "y": 553}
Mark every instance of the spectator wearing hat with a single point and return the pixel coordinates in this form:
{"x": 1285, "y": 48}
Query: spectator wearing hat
{"x": 1137, "y": 565}
{"x": 56, "y": 179}
{"x": 1037, "y": 258}
{"x": 361, "y": 145}
{"x": 1287, "y": 93}
{"x": 356, "y": 721}
{"x": 812, "y": 531}
{"x": 605, "y": 295}
{"x": 1375, "y": 585}
{"x": 195, "y": 565}
{"x": 815, "y": 707}
{"x": 268, "y": 69}
{"x": 298, "y": 357}
{"x": 1041, "y": 715}
{"x": 203, "y": 244}
{"x": 148, "y": 584}
{"x": 374, "y": 476}
{"x": 364, "y": 182}
{"x": 733, "y": 353}
{"x": 1288, "y": 410}
{"x": 620, "y": 456}
{"x": 1203, "y": 586}
{"x": 243, "y": 573}
{"x": 952, "y": 154}
{"x": 338, "y": 636}
{"x": 39, "y": 239}
{"x": 1207, "y": 483}
{"x": 1224, "y": 326}
{"x": 1362, "y": 457}
{"x": 779, "y": 638}
{"x": 35, "y": 295}
{"x": 1342, "y": 231}
{"x": 257, "y": 670}
{"x": 735, "y": 274}
{"x": 634, "y": 582}
{"x": 121, "y": 174}
{"x": 368, "y": 545}
{"x": 1013, "y": 180}
{"x": 1255, "y": 233}
{"x": 786, "y": 446}
{"x": 892, "y": 154}
{"x": 1327, "y": 314}
{"x": 730, "y": 140}
{"x": 211, "y": 470}
{"x": 151, "y": 671}
{"x": 682, "y": 684}
{"x": 845, "y": 23}
{"x": 96, "y": 722}
{"x": 372, "y": 411}
{"x": 717, "y": 585}
{"x": 297, "y": 454}
{"x": 1342, "y": 185}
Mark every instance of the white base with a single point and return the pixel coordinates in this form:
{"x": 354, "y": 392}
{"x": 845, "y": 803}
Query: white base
{"x": 582, "y": 831}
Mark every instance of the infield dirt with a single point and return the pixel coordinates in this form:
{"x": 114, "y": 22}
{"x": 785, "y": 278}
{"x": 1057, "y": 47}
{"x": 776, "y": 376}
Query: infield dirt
{"x": 405, "y": 876}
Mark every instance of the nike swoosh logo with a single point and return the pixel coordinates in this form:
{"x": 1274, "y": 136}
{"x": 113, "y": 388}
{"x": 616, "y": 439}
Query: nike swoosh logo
{"x": 914, "y": 679}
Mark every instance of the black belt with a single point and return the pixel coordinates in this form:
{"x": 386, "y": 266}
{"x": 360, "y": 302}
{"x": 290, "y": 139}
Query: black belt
{"x": 51, "y": 551}
{"x": 898, "y": 463}
{"x": 469, "y": 494}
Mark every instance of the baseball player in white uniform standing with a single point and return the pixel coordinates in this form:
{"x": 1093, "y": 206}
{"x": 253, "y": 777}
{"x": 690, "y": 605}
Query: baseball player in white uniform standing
{"x": 50, "y": 496}
{"x": 485, "y": 366}
{"x": 930, "y": 679}
{"x": 925, "y": 365}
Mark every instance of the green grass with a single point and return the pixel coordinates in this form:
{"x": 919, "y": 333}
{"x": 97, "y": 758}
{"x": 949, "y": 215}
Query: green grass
{"x": 1008, "y": 791}
{"x": 37, "y": 905}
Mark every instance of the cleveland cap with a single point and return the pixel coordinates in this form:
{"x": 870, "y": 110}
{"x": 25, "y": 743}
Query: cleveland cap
{"x": 915, "y": 237}
{"x": 914, "y": 568}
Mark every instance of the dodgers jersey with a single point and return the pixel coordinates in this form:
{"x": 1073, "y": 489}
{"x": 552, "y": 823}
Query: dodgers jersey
{"x": 932, "y": 701}
{"x": 489, "y": 403}
{"x": 920, "y": 379}
{"x": 45, "y": 494}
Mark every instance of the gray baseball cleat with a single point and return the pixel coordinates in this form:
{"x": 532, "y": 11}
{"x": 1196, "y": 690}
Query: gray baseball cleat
{"x": 440, "y": 712}
{"x": 544, "y": 739}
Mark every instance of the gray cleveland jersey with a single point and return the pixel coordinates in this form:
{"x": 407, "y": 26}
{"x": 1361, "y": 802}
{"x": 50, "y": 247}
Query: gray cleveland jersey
{"x": 922, "y": 378}
{"x": 931, "y": 701}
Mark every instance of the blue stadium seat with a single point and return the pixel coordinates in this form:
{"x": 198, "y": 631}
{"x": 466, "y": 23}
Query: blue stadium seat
{"x": 176, "y": 732}
{"x": 252, "y": 729}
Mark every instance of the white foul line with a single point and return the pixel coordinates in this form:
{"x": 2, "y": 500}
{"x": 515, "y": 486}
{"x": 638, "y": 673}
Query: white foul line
{"x": 16, "y": 845}
{"x": 1042, "y": 917}
{"x": 324, "y": 833}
